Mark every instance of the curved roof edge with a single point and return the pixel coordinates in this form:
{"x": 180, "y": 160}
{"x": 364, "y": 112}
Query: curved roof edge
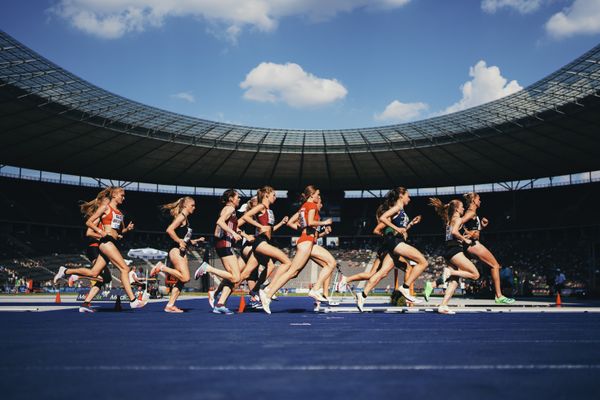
{"x": 31, "y": 73}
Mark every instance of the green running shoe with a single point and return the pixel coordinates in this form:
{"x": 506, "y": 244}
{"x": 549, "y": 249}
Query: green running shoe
{"x": 504, "y": 300}
{"x": 428, "y": 290}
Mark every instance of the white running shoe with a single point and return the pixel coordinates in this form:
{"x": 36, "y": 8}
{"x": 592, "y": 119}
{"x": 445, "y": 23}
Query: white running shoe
{"x": 360, "y": 302}
{"x": 265, "y": 301}
{"x": 275, "y": 298}
{"x": 86, "y": 309}
{"x": 72, "y": 279}
{"x": 318, "y": 296}
{"x": 137, "y": 303}
{"x": 332, "y": 302}
{"x": 445, "y": 310}
{"x": 406, "y": 293}
{"x": 342, "y": 285}
{"x": 201, "y": 270}
{"x": 60, "y": 274}
{"x": 171, "y": 308}
{"x": 211, "y": 298}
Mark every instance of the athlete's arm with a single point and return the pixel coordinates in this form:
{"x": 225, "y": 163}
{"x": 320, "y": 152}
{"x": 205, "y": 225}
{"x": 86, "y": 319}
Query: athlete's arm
{"x": 226, "y": 212}
{"x": 414, "y": 222}
{"x": 249, "y": 217}
{"x": 281, "y": 223}
{"x": 455, "y": 230}
{"x": 171, "y": 230}
{"x": 386, "y": 218}
{"x": 293, "y": 221}
{"x": 92, "y": 221}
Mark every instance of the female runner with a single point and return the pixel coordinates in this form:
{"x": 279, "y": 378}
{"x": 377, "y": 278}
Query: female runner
{"x": 397, "y": 224}
{"x": 453, "y": 215}
{"x": 306, "y": 247}
{"x": 472, "y": 229}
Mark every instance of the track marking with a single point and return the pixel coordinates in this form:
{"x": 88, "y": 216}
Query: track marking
{"x": 275, "y": 367}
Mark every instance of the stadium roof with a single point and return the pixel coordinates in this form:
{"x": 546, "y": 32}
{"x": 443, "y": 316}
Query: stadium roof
{"x": 54, "y": 121}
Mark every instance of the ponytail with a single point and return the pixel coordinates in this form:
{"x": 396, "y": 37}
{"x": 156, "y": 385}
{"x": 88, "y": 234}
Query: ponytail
{"x": 88, "y": 208}
{"x": 308, "y": 191}
{"x": 175, "y": 207}
{"x": 445, "y": 211}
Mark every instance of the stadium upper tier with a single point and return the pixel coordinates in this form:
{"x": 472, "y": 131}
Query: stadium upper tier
{"x": 52, "y": 120}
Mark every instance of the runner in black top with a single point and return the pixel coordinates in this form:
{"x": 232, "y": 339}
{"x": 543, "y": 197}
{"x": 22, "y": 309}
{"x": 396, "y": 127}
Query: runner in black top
{"x": 453, "y": 215}
{"x": 472, "y": 229}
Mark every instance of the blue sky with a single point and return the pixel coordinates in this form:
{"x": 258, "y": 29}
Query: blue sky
{"x": 312, "y": 64}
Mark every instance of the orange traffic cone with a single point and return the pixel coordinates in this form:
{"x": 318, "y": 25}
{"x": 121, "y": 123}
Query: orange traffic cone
{"x": 57, "y": 299}
{"x": 140, "y": 296}
{"x": 558, "y": 301}
{"x": 118, "y": 306}
{"x": 242, "y": 304}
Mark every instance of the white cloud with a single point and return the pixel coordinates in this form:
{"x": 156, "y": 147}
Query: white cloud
{"x": 583, "y": 17}
{"x": 401, "y": 112}
{"x": 289, "y": 83}
{"x": 186, "y": 96}
{"x": 522, "y": 6}
{"x": 114, "y": 18}
{"x": 487, "y": 85}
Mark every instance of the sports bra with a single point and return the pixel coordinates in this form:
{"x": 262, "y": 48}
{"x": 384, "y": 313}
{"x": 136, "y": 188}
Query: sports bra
{"x": 401, "y": 220}
{"x": 267, "y": 219}
{"x": 113, "y": 218}
{"x": 474, "y": 224}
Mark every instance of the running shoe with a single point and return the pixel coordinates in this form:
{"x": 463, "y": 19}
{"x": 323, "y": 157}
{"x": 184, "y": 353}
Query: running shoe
{"x": 156, "y": 269}
{"x": 211, "y": 298}
{"x": 332, "y": 302}
{"x": 72, "y": 279}
{"x": 60, "y": 274}
{"x": 86, "y": 308}
{"x": 342, "y": 285}
{"x": 360, "y": 302}
{"x": 318, "y": 296}
{"x": 410, "y": 298}
{"x": 428, "y": 290}
{"x": 265, "y": 301}
{"x": 445, "y": 310}
{"x": 254, "y": 297}
{"x": 255, "y": 305}
{"x": 274, "y": 298}
{"x": 201, "y": 270}
{"x": 171, "y": 308}
{"x": 137, "y": 303}
{"x": 504, "y": 300}
{"x": 222, "y": 310}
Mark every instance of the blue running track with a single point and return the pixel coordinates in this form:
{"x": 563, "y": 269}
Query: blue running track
{"x": 297, "y": 354}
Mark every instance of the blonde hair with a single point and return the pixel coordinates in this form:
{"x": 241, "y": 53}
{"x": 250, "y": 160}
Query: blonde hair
{"x": 176, "y": 207}
{"x": 252, "y": 203}
{"x": 88, "y": 208}
{"x": 262, "y": 192}
{"x": 469, "y": 197}
{"x": 445, "y": 211}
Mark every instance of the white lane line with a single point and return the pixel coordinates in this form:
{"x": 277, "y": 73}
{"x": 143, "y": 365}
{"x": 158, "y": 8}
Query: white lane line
{"x": 274, "y": 367}
{"x": 335, "y": 342}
